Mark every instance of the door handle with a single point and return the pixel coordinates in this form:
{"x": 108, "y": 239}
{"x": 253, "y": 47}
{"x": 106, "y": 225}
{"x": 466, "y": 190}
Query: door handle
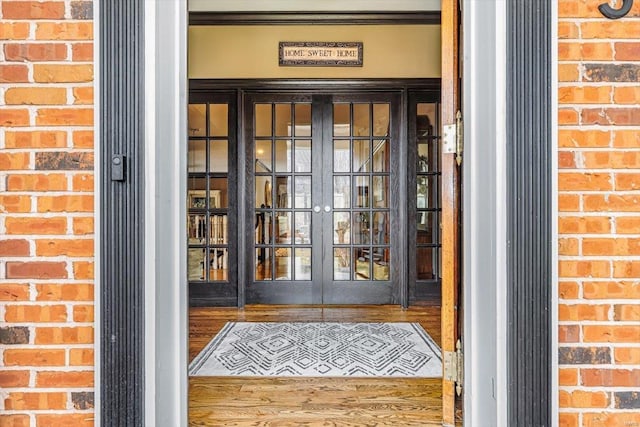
{"x": 327, "y": 208}
{"x": 316, "y": 208}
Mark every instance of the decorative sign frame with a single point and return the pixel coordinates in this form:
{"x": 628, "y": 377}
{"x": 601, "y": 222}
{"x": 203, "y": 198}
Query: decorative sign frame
{"x": 320, "y": 54}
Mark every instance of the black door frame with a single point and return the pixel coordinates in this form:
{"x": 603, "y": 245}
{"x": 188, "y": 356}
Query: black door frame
{"x": 121, "y": 265}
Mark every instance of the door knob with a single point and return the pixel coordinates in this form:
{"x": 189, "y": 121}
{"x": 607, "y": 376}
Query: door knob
{"x": 327, "y": 208}
{"x": 316, "y": 208}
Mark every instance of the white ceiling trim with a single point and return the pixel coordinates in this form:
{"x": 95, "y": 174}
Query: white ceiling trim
{"x": 313, "y": 5}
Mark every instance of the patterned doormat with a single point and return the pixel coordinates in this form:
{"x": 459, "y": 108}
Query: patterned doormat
{"x": 320, "y": 350}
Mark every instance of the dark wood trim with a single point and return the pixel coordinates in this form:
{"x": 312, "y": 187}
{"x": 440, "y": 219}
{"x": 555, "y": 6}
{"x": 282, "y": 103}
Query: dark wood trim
{"x": 529, "y": 147}
{"x": 122, "y": 211}
{"x": 320, "y": 18}
{"x": 329, "y": 86}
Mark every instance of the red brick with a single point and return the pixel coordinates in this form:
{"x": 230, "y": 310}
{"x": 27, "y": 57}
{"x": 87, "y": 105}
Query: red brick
{"x": 608, "y": 419}
{"x": 609, "y": 246}
{"x": 584, "y": 225}
{"x": 14, "y": 74}
{"x": 568, "y": 73}
{"x": 56, "y": 292}
{"x": 584, "y": 181}
{"x": 70, "y": 335}
{"x": 64, "y": 379}
{"x": 611, "y": 116}
{"x": 568, "y": 376}
{"x": 14, "y": 292}
{"x": 64, "y": 117}
{"x": 611, "y": 202}
{"x": 627, "y": 355}
{"x": 568, "y": 202}
{"x": 610, "y": 377}
{"x": 35, "y": 52}
{"x": 627, "y": 313}
{"x": 63, "y": 73}
{"x": 568, "y": 246}
{"x": 584, "y": 95}
{"x": 584, "y": 268}
{"x": 566, "y": 160}
{"x": 567, "y": 116}
{"x": 73, "y": 203}
{"x": 82, "y": 51}
{"x": 35, "y": 401}
{"x": 568, "y": 333}
{"x": 626, "y": 269}
{"x": 35, "y": 96}
{"x": 583, "y": 139}
{"x": 568, "y": 419}
{"x": 14, "y": 248}
{"x": 627, "y": 51}
{"x": 83, "y": 95}
{"x": 577, "y": 51}
{"x": 14, "y": 161}
{"x": 628, "y": 225}
{"x": 81, "y": 357}
{"x": 627, "y": 95}
{"x": 584, "y": 399}
{"x": 83, "y": 182}
{"x": 626, "y": 138}
{"x": 39, "y": 182}
{"x": 83, "y": 139}
{"x": 64, "y": 31}
{"x": 610, "y": 333}
{"x": 619, "y": 29}
{"x": 579, "y": 312}
{"x": 65, "y": 420}
{"x": 32, "y": 10}
{"x": 14, "y": 30}
{"x": 587, "y": 9}
{"x": 611, "y": 290}
{"x": 35, "y": 313}
{"x": 65, "y": 247}
{"x": 83, "y": 270}
{"x": 611, "y": 159}
{"x": 568, "y": 290}
{"x": 13, "y": 378}
{"x": 14, "y": 117}
{"x": 83, "y": 225}
{"x": 28, "y": 226}
{"x": 627, "y": 181}
{"x": 36, "y": 270}
{"x": 83, "y": 313}
{"x": 15, "y": 204}
{"x": 567, "y": 30}
{"x": 36, "y": 139}
{"x": 34, "y": 357}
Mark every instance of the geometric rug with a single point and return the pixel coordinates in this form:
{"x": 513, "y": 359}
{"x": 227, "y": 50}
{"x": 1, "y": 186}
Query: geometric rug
{"x": 319, "y": 349}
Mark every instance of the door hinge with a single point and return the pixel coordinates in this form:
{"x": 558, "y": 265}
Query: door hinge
{"x": 454, "y": 367}
{"x": 452, "y": 138}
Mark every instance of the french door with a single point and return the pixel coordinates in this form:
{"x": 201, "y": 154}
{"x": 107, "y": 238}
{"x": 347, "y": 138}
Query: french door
{"x": 323, "y": 198}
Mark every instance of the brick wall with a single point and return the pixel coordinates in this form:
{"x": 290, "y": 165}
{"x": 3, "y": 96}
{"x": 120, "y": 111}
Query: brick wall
{"x": 599, "y": 224}
{"x": 46, "y": 213}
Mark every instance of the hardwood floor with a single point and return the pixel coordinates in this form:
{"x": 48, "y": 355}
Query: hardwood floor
{"x": 262, "y": 402}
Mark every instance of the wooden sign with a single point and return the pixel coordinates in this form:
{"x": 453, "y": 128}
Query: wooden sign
{"x": 321, "y": 54}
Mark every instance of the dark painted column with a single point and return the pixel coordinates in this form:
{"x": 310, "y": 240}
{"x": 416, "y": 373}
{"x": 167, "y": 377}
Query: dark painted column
{"x": 529, "y": 211}
{"x": 121, "y": 133}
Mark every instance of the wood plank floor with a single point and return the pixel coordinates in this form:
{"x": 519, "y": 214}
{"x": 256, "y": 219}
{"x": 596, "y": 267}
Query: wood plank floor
{"x": 235, "y": 401}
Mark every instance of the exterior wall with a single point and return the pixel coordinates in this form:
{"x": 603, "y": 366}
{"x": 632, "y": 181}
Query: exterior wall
{"x": 46, "y": 213}
{"x": 599, "y": 223}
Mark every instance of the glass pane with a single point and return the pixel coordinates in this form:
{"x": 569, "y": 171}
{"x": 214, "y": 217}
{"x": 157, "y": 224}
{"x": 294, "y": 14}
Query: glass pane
{"x": 426, "y": 262}
{"x": 218, "y": 264}
{"x": 263, "y": 192}
{"x": 197, "y": 228}
{"x": 302, "y": 222}
{"x": 283, "y": 263}
{"x": 264, "y": 228}
{"x": 263, "y": 264}
{"x": 361, "y": 120}
{"x": 197, "y": 119}
{"x": 427, "y": 156}
{"x": 380, "y": 191}
{"x": 426, "y": 120}
{"x": 341, "y": 155}
{"x": 303, "y": 263}
{"x": 303, "y": 119}
{"x": 219, "y": 156}
{"x": 195, "y": 264}
{"x": 380, "y": 119}
{"x": 303, "y": 192}
{"x": 283, "y": 156}
{"x": 218, "y": 226}
{"x": 426, "y": 192}
{"x": 341, "y": 264}
{"x": 361, "y": 184}
{"x": 283, "y": 120}
{"x": 263, "y": 120}
{"x": 362, "y": 267}
{"x": 341, "y": 228}
{"x": 303, "y": 156}
{"x": 341, "y": 192}
{"x": 283, "y": 192}
{"x": 218, "y": 120}
{"x": 341, "y": 120}
{"x": 196, "y": 184}
{"x": 380, "y": 156}
{"x": 283, "y": 228}
{"x": 361, "y": 161}
{"x": 197, "y": 159}
{"x": 361, "y": 228}
{"x": 218, "y": 196}
{"x": 427, "y": 226}
{"x": 263, "y": 157}
{"x": 381, "y": 264}
{"x": 380, "y": 228}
